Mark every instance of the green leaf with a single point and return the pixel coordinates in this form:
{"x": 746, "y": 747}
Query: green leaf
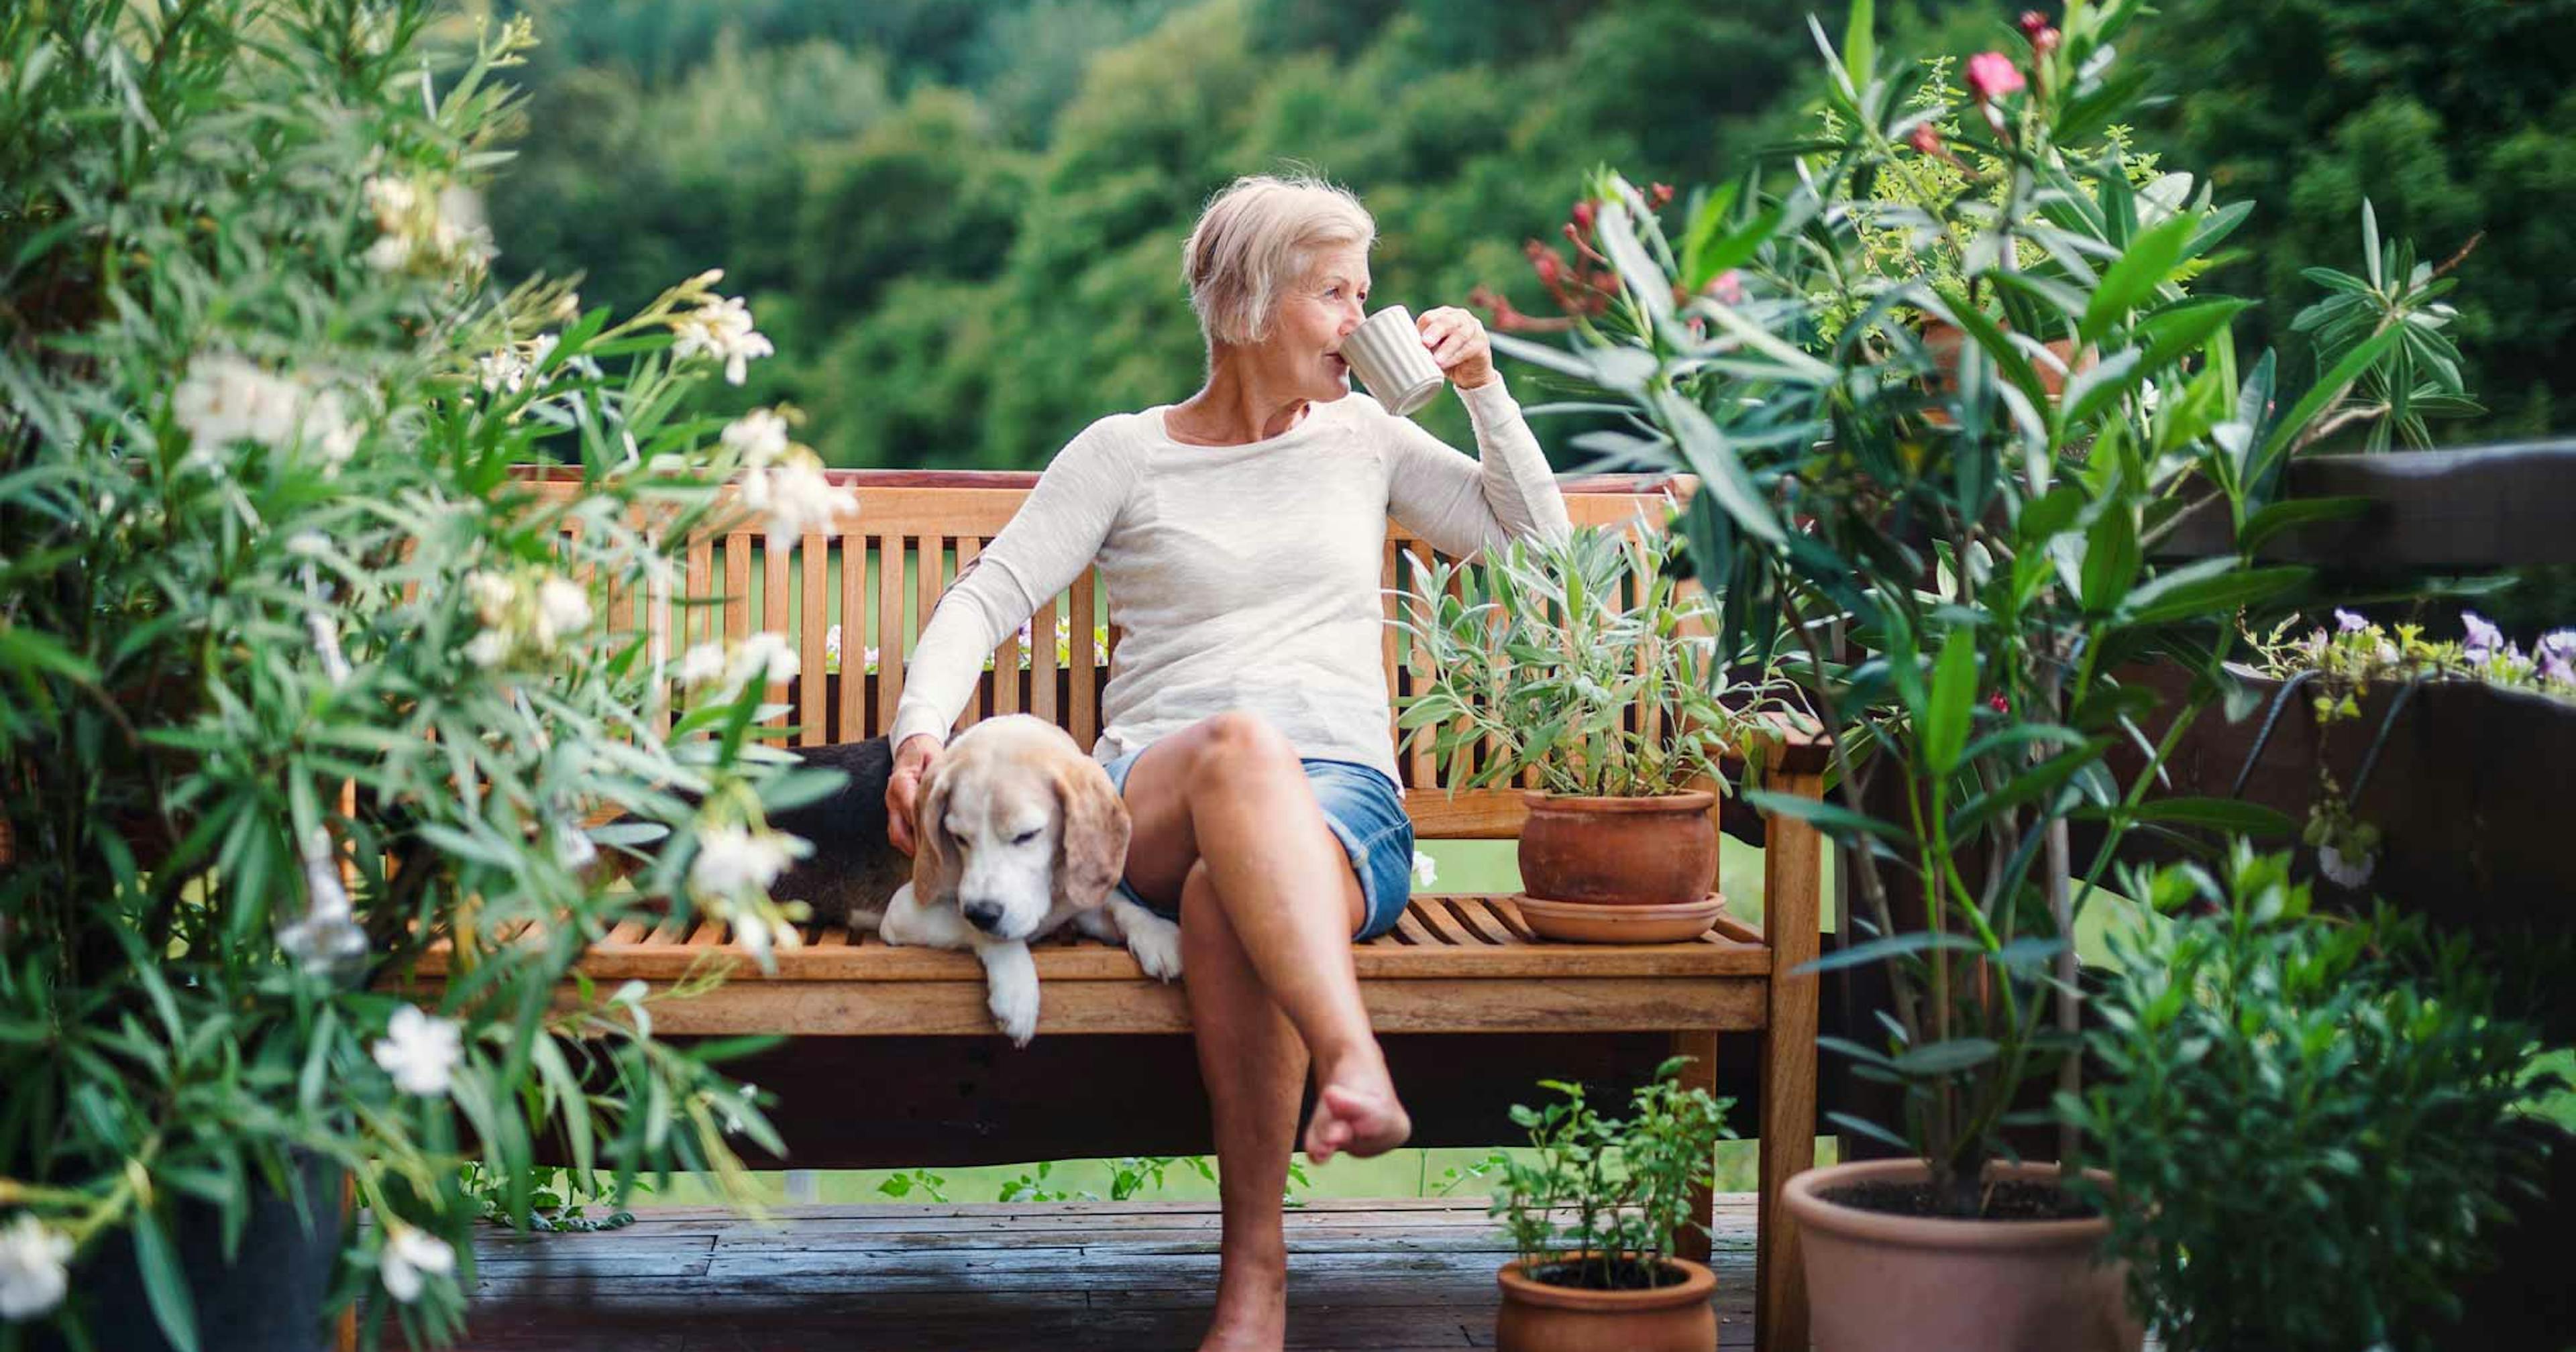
{"x": 2222, "y": 814}
{"x": 2111, "y": 560}
{"x": 1860, "y": 43}
{"x": 1719, "y": 468}
{"x": 2281, "y": 516}
{"x": 1951, "y": 701}
{"x": 2178, "y": 330}
{"x": 164, "y": 1285}
{"x": 2134, "y": 279}
{"x": 1943, "y": 1058}
{"x": 1831, "y": 818}
{"x": 2276, "y": 443}
{"x": 2177, "y": 596}
{"x": 1891, "y": 946}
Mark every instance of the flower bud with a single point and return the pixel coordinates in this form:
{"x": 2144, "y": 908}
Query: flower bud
{"x": 1583, "y": 212}
{"x": 1926, "y": 139}
{"x": 2031, "y": 22}
{"x": 1659, "y": 194}
{"x": 2044, "y": 41}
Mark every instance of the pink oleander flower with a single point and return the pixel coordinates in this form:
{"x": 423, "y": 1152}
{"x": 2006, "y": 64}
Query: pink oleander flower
{"x": 1926, "y": 139}
{"x": 2045, "y": 41}
{"x": 1726, "y": 288}
{"x": 1991, "y": 75}
{"x": 2031, "y": 22}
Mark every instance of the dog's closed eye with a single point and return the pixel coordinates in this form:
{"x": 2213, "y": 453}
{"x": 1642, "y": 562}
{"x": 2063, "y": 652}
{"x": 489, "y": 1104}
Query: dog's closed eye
{"x": 1025, "y": 837}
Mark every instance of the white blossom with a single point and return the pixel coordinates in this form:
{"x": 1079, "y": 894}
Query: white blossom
{"x": 832, "y": 644}
{"x": 392, "y": 199}
{"x": 492, "y": 595}
{"x": 488, "y": 649}
{"x": 759, "y": 437}
{"x": 732, "y": 860}
{"x": 390, "y": 253}
{"x": 33, "y": 1274}
{"x": 1426, "y": 870}
{"x": 562, "y": 608}
{"x": 574, "y": 848}
{"x": 719, "y": 329}
{"x": 702, "y": 663}
{"x": 226, "y": 399}
{"x": 764, "y": 656}
{"x": 412, "y": 1255}
{"x": 796, "y": 497}
{"x": 2350, "y": 871}
{"x": 419, "y": 1051}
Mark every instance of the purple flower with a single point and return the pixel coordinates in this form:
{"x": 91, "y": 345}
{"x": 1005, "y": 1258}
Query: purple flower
{"x": 2559, "y": 669}
{"x": 2559, "y": 644}
{"x": 2484, "y": 638}
{"x": 2348, "y": 622}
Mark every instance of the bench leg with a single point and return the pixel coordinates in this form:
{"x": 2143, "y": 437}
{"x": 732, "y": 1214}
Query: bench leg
{"x": 1792, "y": 898}
{"x": 1701, "y": 1046}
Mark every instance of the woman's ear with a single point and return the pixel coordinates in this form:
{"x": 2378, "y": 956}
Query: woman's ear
{"x": 1091, "y": 848}
{"x": 934, "y": 858}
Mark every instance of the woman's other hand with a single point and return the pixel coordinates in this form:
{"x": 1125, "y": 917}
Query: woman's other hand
{"x": 912, "y": 760}
{"x": 1458, "y": 343}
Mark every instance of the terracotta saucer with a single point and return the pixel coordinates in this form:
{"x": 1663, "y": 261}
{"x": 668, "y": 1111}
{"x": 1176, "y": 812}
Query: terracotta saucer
{"x": 1586, "y": 922}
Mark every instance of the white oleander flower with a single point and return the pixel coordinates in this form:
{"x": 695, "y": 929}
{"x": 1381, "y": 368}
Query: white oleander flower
{"x": 764, "y": 656}
{"x": 796, "y": 496}
{"x": 488, "y": 649}
{"x": 703, "y": 662}
{"x": 392, "y": 199}
{"x": 1426, "y": 870}
{"x": 759, "y": 437}
{"x": 562, "y": 608}
{"x": 226, "y": 399}
{"x": 419, "y": 1051}
{"x": 34, "y": 1271}
{"x": 412, "y": 1256}
{"x": 492, "y": 595}
{"x": 390, "y": 253}
{"x": 732, "y": 860}
{"x": 719, "y": 329}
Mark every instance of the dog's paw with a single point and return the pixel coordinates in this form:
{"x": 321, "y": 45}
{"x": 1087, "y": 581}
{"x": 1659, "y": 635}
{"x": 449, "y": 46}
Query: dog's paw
{"x": 1013, "y": 997}
{"x": 1155, "y": 942}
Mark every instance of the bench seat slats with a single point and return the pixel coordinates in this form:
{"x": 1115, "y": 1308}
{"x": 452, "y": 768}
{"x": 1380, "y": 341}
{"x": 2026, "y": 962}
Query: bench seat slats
{"x": 1432, "y": 940}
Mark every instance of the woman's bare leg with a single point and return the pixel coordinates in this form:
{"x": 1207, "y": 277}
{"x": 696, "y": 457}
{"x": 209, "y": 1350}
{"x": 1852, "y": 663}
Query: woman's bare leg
{"x": 1252, "y": 1044}
{"x": 1254, "y": 1067}
{"x": 1229, "y": 792}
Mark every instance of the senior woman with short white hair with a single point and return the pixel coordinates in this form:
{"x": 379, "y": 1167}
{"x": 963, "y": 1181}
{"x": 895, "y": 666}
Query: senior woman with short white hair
{"x": 1246, "y": 721}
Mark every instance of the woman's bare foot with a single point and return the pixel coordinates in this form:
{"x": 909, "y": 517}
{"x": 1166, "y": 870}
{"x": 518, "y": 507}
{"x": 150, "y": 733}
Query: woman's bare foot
{"x": 1356, "y": 1111}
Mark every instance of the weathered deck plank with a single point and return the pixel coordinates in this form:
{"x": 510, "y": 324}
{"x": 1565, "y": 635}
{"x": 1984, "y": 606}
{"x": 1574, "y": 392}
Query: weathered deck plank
{"x": 1385, "y": 1276}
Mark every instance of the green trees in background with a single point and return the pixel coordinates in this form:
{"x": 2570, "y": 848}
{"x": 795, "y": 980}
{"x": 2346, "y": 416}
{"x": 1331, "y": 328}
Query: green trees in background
{"x": 961, "y": 222}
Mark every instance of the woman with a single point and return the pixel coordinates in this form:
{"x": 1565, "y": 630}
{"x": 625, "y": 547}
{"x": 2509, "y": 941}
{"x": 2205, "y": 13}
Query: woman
{"x": 1246, "y": 721}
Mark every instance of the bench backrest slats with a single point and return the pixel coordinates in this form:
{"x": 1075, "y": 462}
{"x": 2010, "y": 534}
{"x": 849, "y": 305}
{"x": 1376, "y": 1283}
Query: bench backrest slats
{"x": 878, "y": 576}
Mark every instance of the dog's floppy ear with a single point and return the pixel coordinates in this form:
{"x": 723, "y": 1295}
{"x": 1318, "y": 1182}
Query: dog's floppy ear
{"x": 1091, "y": 849}
{"x": 934, "y": 859}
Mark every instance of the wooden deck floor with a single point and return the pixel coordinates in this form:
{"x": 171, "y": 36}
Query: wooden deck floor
{"x": 1136, "y": 1276}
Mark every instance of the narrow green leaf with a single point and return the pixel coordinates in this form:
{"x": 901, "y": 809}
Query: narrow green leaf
{"x": 2276, "y": 442}
{"x": 164, "y": 1285}
{"x": 1951, "y": 701}
{"x": 2231, "y": 815}
{"x": 1832, "y": 818}
{"x": 2281, "y": 516}
{"x": 2133, "y": 280}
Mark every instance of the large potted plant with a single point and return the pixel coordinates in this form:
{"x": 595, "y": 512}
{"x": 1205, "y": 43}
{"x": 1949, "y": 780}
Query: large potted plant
{"x": 298, "y": 681}
{"x": 1607, "y": 1277}
{"x": 1586, "y": 664}
{"x": 2312, "y": 1122}
{"x": 1975, "y": 537}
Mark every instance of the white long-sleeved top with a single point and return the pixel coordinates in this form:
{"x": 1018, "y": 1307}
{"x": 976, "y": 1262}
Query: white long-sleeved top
{"x": 1245, "y": 577}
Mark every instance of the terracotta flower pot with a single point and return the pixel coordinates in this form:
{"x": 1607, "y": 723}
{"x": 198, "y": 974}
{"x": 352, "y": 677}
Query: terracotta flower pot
{"x": 1620, "y": 851}
{"x": 1538, "y": 1317}
{"x": 1878, "y": 1281}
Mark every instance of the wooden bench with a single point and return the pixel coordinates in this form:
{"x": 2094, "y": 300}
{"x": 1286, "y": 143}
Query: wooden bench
{"x": 880, "y": 1027}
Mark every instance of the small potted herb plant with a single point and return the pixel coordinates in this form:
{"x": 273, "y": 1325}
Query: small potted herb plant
{"x": 1608, "y": 1278}
{"x": 1587, "y": 663}
{"x": 2312, "y": 1122}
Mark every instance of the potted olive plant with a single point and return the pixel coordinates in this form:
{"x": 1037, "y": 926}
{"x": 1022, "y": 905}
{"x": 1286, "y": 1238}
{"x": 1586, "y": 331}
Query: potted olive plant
{"x": 298, "y": 681}
{"x": 1607, "y": 1277}
{"x": 1959, "y": 553}
{"x": 2312, "y": 1121}
{"x": 1586, "y": 663}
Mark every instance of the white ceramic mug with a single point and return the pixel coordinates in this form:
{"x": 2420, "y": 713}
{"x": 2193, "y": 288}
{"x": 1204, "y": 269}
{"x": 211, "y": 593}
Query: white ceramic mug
{"x": 1388, "y": 355}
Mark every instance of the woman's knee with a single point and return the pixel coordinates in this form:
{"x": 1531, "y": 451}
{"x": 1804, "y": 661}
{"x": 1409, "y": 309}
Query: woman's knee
{"x": 1237, "y": 743}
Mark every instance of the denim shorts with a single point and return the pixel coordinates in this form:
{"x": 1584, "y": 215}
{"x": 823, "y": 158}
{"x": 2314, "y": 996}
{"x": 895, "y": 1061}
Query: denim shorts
{"x": 1366, "y": 814}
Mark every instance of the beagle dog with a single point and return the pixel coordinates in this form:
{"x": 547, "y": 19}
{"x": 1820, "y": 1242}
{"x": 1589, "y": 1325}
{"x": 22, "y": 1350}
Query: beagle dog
{"x": 1016, "y": 834}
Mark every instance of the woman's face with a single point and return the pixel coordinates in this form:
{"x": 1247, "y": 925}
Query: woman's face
{"x": 1304, "y": 350}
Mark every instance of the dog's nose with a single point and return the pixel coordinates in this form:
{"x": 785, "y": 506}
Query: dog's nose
{"x": 983, "y": 915}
